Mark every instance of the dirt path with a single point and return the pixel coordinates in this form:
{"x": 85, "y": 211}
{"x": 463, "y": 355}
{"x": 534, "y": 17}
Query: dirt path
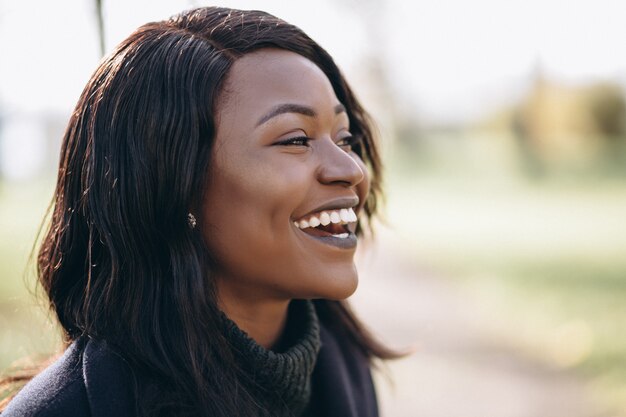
{"x": 461, "y": 368}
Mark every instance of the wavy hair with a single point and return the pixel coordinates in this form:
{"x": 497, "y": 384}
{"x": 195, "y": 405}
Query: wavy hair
{"x": 118, "y": 261}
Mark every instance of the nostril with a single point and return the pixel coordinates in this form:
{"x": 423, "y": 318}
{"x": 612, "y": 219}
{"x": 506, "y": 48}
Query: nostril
{"x": 339, "y": 167}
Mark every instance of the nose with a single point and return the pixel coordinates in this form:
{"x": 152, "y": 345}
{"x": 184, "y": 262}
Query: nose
{"x": 337, "y": 166}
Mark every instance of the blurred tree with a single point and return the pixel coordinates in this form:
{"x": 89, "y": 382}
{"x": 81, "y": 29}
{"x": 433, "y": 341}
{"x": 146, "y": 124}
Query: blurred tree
{"x": 100, "y": 20}
{"x": 607, "y": 106}
{"x": 559, "y": 124}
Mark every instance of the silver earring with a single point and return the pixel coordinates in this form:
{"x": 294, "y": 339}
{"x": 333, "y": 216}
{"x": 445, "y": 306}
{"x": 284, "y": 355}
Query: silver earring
{"x": 191, "y": 220}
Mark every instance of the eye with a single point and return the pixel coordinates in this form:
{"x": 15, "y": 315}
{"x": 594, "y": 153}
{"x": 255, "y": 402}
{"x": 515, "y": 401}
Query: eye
{"x": 298, "y": 141}
{"x": 349, "y": 142}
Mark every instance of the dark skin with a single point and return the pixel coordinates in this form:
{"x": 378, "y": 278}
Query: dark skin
{"x": 264, "y": 176}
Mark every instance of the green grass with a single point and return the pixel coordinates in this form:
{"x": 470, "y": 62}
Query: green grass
{"x": 566, "y": 312}
{"x": 26, "y": 330}
{"x": 545, "y": 256}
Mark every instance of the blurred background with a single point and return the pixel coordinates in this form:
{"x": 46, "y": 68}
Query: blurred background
{"x": 501, "y": 260}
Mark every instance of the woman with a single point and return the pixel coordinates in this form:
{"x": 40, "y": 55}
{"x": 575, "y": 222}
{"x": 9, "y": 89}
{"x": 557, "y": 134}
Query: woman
{"x": 204, "y": 226}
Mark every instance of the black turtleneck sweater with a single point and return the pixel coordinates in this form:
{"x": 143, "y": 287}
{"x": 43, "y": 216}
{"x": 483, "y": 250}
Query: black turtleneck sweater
{"x": 312, "y": 372}
{"x": 280, "y": 379}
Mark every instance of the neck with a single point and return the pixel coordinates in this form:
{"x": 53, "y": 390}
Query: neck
{"x": 279, "y": 378}
{"x": 263, "y": 320}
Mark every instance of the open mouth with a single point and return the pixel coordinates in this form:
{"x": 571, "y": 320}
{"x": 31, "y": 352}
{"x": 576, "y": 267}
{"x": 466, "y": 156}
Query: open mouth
{"x": 339, "y": 223}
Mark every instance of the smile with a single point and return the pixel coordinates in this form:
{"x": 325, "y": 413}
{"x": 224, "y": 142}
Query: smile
{"x": 332, "y": 227}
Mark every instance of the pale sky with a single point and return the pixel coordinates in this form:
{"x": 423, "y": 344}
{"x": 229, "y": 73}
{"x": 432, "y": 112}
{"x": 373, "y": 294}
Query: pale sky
{"x": 446, "y": 59}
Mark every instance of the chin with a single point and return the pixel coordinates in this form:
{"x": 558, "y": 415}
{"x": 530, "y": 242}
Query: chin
{"x": 339, "y": 285}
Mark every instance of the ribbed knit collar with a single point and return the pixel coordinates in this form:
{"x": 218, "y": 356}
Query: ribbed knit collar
{"x": 281, "y": 380}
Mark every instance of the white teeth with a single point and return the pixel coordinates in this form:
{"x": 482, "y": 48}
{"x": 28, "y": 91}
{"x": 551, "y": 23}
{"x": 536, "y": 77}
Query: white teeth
{"x": 341, "y": 235}
{"x": 353, "y": 216}
{"x": 324, "y": 218}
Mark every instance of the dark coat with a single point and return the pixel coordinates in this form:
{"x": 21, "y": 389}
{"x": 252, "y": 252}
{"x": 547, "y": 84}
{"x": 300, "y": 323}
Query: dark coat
{"x": 91, "y": 380}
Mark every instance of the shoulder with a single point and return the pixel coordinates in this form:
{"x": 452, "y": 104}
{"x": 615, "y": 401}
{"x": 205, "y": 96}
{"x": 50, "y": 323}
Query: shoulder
{"x": 88, "y": 380}
{"x": 342, "y": 380}
{"x": 57, "y": 391}
{"x": 341, "y": 355}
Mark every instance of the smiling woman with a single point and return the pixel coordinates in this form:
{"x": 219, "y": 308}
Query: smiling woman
{"x": 212, "y": 182}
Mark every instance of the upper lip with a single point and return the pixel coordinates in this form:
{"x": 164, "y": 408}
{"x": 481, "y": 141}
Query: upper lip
{"x": 339, "y": 203}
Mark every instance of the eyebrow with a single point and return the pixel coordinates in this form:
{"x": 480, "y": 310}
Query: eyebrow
{"x": 295, "y": 108}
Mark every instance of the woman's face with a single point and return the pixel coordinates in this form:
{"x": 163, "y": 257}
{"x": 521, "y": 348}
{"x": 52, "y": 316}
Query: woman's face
{"x": 281, "y": 162}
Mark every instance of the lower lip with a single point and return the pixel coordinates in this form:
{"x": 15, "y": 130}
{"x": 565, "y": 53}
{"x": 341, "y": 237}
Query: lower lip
{"x": 341, "y": 243}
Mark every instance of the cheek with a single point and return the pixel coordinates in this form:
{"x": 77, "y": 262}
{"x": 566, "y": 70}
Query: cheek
{"x": 247, "y": 213}
{"x": 261, "y": 198}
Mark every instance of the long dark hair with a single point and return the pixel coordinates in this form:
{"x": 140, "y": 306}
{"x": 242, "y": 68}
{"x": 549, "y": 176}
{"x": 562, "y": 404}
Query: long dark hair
{"x": 119, "y": 261}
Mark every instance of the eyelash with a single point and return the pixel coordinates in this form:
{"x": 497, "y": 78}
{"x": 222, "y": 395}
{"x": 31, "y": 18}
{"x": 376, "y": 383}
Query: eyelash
{"x": 301, "y": 141}
{"x": 348, "y": 141}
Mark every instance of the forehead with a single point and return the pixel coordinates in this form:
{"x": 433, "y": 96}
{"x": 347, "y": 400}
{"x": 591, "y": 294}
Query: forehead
{"x": 269, "y": 77}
